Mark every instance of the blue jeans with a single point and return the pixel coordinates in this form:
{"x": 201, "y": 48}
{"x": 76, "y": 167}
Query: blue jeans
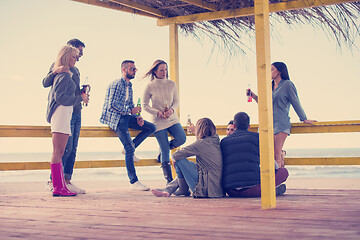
{"x": 68, "y": 159}
{"x": 187, "y": 169}
{"x": 177, "y": 132}
{"x": 126, "y": 122}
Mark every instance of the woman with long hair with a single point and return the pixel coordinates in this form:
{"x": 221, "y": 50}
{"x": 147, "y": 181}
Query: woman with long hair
{"x": 203, "y": 177}
{"x": 61, "y": 100}
{"x": 284, "y": 93}
{"x": 164, "y": 98}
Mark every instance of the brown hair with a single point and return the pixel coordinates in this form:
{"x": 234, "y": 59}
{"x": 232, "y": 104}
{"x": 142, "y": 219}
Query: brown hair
{"x": 154, "y": 68}
{"x": 205, "y": 128}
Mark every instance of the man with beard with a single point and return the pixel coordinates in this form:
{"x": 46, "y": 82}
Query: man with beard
{"x": 120, "y": 113}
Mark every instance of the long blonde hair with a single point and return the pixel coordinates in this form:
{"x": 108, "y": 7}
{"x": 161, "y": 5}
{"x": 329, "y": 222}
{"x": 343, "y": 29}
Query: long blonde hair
{"x": 154, "y": 68}
{"x": 205, "y": 128}
{"x": 64, "y": 56}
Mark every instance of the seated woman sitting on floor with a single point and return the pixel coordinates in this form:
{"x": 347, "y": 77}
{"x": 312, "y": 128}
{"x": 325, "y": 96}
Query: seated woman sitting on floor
{"x": 204, "y": 177}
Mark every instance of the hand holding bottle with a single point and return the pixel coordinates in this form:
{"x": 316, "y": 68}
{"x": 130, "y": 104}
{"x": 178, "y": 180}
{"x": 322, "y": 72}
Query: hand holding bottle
{"x": 85, "y": 98}
{"x": 251, "y": 95}
{"x": 161, "y": 115}
{"x": 248, "y": 94}
{"x": 189, "y": 126}
{"x": 168, "y": 112}
{"x": 137, "y": 110}
{"x": 85, "y": 90}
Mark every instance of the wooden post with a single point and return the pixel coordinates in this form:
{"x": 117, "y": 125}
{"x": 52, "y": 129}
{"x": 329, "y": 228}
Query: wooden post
{"x": 174, "y": 65}
{"x": 262, "y": 28}
{"x": 174, "y": 56}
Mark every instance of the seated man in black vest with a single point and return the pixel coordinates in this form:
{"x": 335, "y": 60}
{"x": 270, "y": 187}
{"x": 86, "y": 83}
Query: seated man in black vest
{"x": 241, "y": 162}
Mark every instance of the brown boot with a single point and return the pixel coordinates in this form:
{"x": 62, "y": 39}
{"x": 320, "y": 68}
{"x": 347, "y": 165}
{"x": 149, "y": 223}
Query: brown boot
{"x": 183, "y": 188}
{"x": 166, "y": 167}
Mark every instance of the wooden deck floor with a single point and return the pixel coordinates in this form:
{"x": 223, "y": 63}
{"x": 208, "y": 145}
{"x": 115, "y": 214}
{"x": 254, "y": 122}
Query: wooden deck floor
{"x": 119, "y": 213}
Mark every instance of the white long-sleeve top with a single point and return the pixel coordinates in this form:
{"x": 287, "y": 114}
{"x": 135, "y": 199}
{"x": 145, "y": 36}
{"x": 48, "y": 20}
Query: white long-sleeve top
{"x": 161, "y": 92}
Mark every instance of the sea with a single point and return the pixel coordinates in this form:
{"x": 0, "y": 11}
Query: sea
{"x": 155, "y": 173}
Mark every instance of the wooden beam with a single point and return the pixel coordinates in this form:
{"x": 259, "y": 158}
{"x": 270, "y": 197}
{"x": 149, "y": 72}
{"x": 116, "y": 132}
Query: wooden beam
{"x": 202, "y": 4}
{"x": 102, "y": 131}
{"x": 117, "y": 7}
{"x": 174, "y": 57}
{"x": 174, "y": 67}
{"x": 326, "y": 161}
{"x": 206, "y": 16}
{"x": 323, "y": 161}
{"x": 266, "y": 133}
{"x": 139, "y": 7}
{"x": 243, "y": 12}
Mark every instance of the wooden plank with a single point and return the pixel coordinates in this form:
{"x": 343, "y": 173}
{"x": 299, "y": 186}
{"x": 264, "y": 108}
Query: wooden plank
{"x": 118, "y": 213}
{"x": 174, "y": 58}
{"x": 266, "y": 133}
{"x": 102, "y": 131}
{"x": 115, "y": 6}
{"x": 326, "y": 161}
{"x": 323, "y": 161}
{"x": 139, "y": 7}
{"x": 202, "y": 4}
{"x": 249, "y": 11}
{"x": 11, "y": 166}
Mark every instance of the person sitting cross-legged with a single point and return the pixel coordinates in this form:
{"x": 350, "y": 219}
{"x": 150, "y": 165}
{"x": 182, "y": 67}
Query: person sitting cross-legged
{"x": 203, "y": 177}
{"x": 241, "y": 162}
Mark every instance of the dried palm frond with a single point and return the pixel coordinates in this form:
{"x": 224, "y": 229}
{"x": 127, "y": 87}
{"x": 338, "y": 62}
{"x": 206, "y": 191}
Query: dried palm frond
{"x": 233, "y": 35}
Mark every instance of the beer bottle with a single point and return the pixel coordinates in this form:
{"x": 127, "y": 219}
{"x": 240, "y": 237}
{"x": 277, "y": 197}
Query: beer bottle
{"x": 138, "y": 105}
{"x": 85, "y": 88}
{"x": 188, "y": 129}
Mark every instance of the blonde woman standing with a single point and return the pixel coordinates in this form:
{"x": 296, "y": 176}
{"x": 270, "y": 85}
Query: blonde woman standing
{"x": 164, "y": 98}
{"x": 61, "y": 100}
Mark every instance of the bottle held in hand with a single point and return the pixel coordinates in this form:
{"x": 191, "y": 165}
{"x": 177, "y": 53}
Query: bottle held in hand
{"x": 248, "y": 94}
{"x": 85, "y": 88}
{"x": 188, "y": 126}
{"x": 166, "y": 106}
{"x": 138, "y": 105}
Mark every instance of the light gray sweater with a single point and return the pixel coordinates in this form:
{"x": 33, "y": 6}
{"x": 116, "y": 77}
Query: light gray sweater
{"x": 161, "y": 92}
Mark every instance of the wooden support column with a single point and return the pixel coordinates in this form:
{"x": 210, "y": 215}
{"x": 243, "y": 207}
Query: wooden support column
{"x": 174, "y": 56}
{"x": 174, "y": 66}
{"x": 262, "y": 28}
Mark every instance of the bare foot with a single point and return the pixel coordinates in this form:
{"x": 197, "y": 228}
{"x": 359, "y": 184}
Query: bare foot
{"x": 160, "y": 193}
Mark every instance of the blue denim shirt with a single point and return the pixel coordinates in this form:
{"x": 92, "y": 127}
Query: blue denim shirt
{"x": 115, "y": 104}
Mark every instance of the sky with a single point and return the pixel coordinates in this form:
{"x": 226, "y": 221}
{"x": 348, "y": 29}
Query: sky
{"x": 211, "y": 84}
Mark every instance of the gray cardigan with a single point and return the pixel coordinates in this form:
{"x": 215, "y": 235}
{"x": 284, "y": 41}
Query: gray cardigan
{"x": 49, "y": 79}
{"x": 284, "y": 95}
{"x": 62, "y": 92}
{"x": 208, "y": 163}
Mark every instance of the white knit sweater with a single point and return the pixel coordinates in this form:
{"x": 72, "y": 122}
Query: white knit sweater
{"x": 161, "y": 92}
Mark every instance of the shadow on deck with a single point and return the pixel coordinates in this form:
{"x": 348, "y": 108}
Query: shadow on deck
{"x": 118, "y": 213}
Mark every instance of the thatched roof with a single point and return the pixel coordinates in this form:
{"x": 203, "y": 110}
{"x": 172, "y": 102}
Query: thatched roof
{"x": 233, "y": 34}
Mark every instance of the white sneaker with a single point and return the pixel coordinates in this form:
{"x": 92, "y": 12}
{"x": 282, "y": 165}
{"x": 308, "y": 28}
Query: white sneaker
{"x": 138, "y": 186}
{"x": 49, "y": 186}
{"x": 136, "y": 159}
{"x": 73, "y": 188}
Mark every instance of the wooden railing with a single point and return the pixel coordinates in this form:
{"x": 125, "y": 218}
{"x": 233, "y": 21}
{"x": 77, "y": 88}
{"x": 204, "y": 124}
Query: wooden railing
{"x": 11, "y": 131}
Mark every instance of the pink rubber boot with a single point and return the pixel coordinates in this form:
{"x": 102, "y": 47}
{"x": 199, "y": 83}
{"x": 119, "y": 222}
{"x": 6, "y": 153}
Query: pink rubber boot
{"x": 59, "y": 187}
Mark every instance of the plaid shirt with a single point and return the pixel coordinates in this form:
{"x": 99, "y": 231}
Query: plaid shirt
{"x": 115, "y": 104}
